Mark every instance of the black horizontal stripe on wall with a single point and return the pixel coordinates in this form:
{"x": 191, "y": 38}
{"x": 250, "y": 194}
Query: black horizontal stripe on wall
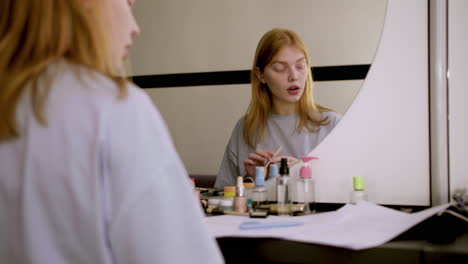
{"x": 325, "y": 73}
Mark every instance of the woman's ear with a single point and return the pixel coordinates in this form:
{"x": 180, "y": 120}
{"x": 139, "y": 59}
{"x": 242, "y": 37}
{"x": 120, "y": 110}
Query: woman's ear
{"x": 259, "y": 75}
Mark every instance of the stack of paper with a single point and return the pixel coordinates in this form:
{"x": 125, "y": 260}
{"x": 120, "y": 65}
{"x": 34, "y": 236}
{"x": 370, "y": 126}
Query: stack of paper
{"x": 358, "y": 226}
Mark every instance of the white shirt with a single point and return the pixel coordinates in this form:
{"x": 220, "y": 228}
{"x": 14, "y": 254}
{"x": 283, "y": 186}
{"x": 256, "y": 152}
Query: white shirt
{"x": 101, "y": 183}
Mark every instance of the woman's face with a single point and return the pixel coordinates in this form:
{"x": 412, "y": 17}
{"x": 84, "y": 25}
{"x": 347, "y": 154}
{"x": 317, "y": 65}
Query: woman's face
{"x": 286, "y": 75}
{"x": 124, "y": 28}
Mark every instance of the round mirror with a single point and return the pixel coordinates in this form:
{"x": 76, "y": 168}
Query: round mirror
{"x": 193, "y": 58}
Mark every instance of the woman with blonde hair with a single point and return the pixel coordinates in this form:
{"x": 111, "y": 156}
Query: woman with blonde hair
{"x": 282, "y": 111}
{"x": 89, "y": 173}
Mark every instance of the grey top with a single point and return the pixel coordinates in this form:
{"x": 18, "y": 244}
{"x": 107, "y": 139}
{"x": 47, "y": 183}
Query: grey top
{"x": 280, "y": 131}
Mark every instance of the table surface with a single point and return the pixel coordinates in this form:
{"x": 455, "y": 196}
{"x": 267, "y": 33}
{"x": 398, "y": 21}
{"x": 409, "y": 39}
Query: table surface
{"x": 439, "y": 239}
{"x": 261, "y": 250}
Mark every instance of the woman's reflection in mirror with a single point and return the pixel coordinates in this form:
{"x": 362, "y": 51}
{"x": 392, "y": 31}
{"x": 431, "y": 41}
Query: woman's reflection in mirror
{"x": 282, "y": 110}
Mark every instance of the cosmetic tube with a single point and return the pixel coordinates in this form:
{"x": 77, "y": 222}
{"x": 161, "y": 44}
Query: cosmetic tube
{"x": 240, "y": 200}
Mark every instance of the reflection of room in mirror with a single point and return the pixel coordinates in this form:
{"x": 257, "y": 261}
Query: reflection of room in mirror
{"x": 182, "y": 36}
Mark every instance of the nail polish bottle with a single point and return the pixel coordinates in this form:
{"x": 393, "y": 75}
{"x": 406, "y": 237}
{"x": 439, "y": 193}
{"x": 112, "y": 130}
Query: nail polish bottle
{"x": 358, "y": 193}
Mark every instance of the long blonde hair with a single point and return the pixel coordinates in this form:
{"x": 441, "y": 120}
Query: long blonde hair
{"x": 35, "y": 33}
{"x": 255, "y": 119}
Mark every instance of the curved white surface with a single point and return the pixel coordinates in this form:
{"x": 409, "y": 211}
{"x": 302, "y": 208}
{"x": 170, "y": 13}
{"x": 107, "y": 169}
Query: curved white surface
{"x": 384, "y": 136}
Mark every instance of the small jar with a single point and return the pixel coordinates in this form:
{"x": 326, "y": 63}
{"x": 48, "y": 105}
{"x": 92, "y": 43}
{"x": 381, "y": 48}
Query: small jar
{"x": 226, "y": 204}
{"x": 229, "y": 191}
{"x": 213, "y": 203}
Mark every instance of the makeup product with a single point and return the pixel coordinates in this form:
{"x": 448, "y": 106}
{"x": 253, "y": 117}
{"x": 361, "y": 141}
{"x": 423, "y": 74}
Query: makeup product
{"x": 249, "y": 182}
{"x": 258, "y": 214}
{"x": 240, "y": 200}
{"x": 305, "y": 186}
{"x": 226, "y": 204}
{"x": 195, "y": 189}
{"x": 229, "y": 191}
{"x": 249, "y": 185}
{"x": 296, "y": 209}
{"x": 282, "y": 189}
{"x": 236, "y": 213}
{"x": 197, "y": 193}
{"x": 273, "y": 173}
{"x": 249, "y": 205}
{"x": 259, "y": 194}
{"x": 358, "y": 193}
{"x": 213, "y": 204}
{"x": 192, "y": 181}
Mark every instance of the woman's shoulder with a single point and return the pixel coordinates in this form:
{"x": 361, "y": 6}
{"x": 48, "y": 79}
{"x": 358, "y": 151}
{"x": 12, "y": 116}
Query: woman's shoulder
{"x": 93, "y": 90}
{"x": 238, "y": 124}
{"x": 332, "y": 116}
{"x": 77, "y": 76}
{"x": 236, "y": 133}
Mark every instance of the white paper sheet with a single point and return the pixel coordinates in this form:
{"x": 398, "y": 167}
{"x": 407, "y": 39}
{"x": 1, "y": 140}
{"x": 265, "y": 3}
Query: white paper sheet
{"x": 356, "y": 227}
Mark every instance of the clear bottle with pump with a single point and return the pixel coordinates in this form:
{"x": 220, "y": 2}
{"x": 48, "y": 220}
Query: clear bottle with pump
{"x": 282, "y": 189}
{"x": 259, "y": 193}
{"x": 358, "y": 193}
{"x": 305, "y": 186}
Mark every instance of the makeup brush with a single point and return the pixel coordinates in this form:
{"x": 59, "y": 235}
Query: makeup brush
{"x": 274, "y": 156}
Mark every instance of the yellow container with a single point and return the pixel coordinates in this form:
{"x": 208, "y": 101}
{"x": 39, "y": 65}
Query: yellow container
{"x": 229, "y": 191}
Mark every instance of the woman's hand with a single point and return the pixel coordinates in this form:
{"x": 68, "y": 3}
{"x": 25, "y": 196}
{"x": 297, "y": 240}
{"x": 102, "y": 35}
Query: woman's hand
{"x": 261, "y": 158}
{"x": 257, "y": 158}
{"x": 291, "y": 160}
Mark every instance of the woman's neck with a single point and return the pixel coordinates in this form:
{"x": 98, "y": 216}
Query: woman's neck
{"x": 284, "y": 109}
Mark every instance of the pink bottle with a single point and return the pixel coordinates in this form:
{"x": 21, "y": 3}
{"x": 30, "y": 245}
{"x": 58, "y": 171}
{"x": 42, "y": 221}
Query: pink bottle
{"x": 306, "y": 187}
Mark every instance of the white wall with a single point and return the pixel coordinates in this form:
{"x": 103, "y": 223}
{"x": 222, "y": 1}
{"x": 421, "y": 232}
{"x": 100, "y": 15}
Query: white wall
{"x": 458, "y": 92}
{"x": 182, "y": 36}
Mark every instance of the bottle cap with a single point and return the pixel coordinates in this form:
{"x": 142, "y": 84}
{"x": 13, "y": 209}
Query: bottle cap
{"x": 307, "y": 159}
{"x": 358, "y": 183}
{"x": 259, "y": 176}
{"x": 240, "y": 181}
{"x": 306, "y": 171}
{"x": 240, "y": 186}
{"x": 273, "y": 170}
{"x": 284, "y": 169}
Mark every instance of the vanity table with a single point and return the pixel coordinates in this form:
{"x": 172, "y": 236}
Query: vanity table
{"x": 264, "y": 250}
{"x": 436, "y": 240}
